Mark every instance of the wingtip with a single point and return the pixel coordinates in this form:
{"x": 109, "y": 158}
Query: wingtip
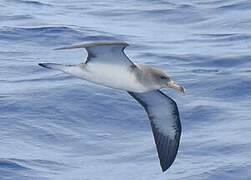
{"x": 164, "y": 167}
{"x": 45, "y": 65}
{"x": 41, "y": 64}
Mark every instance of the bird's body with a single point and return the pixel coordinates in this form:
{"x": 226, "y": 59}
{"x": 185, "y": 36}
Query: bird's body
{"x": 107, "y": 65}
{"x": 128, "y": 78}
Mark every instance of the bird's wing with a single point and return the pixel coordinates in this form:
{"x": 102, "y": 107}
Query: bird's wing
{"x": 163, "y": 114}
{"x": 104, "y": 52}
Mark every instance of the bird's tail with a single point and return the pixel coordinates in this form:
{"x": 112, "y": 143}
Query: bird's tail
{"x": 74, "y": 70}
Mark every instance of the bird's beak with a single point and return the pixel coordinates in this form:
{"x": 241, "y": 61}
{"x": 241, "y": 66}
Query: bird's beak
{"x": 173, "y": 85}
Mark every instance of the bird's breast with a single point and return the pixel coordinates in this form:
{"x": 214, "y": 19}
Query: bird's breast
{"x": 114, "y": 76}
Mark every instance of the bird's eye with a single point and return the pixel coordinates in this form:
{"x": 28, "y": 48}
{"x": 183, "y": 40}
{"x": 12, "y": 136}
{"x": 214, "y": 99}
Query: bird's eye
{"x": 163, "y": 77}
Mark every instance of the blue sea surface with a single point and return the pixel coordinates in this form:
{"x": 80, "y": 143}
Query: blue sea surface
{"x": 55, "y": 126}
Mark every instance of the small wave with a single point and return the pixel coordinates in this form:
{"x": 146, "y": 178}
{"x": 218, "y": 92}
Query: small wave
{"x": 182, "y": 14}
{"x": 216, "y": 35}
{"x": 24, "y": 31}
{"x": 176, "y": 16}
{"x": 209, "y": 2}
{"x": 49, "y": 36}
{"x": 229, "y": 89}
{"x": 39, "y": 35}
{"x": 29, "y": 2}
{"x": 205, "y": 71}
{"x": 236, "y": 6}
{"x": 15, "y": 168}
{"x": 14, "y": 17}
{"x": 229, "y": 37}
{"x": 4, "y": 96}
{"x": 226, "y": 62}
{"x": 10, "y": 164}
{"x": 44, "y": 163}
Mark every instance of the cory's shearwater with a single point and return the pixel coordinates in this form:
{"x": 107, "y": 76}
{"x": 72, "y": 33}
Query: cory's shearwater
{"x": 107, "y": 64}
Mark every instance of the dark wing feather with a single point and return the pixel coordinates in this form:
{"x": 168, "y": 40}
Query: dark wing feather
{"x": 163, "y": 114}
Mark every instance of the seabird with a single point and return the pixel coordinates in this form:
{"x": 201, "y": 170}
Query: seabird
{"x": 107, "y": 64}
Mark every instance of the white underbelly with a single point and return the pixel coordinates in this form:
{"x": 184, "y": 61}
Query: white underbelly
{"x": 113, "y": 76}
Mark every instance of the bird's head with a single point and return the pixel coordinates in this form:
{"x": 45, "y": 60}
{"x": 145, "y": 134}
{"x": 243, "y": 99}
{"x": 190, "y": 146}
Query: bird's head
{"x": 165, "y": 80}
{"x": 156, "y": 78}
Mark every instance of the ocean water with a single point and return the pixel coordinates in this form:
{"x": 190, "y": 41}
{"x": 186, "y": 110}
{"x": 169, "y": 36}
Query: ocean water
{"x": 54, "y": 126}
